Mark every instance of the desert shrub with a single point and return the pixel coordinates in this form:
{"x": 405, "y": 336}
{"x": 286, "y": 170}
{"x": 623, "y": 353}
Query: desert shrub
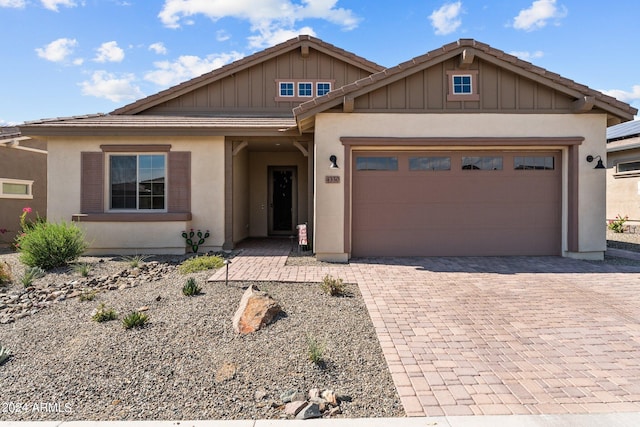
{"x": 4, "y": 354}
{"x": 81, "y": 268}
{"x": 135, "y": 261}
{"x": 104, "y": 314}
{"x": 5, "y": 273}
{"x": 333, "y": 286}
{"x": 88, "y": 295}
{"x": 617, "y": 225}
{"x": 201, "y": 263}
{"x": 191, "y": 288}
{"x": 135, "y": 319}
{"x": 31, "y": 274}
{"x": 315, "y": 350}
{"x": 49, "y": 245}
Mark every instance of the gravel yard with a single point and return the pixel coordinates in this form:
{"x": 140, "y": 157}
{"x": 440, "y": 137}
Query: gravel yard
{"x": 187, "y": 363}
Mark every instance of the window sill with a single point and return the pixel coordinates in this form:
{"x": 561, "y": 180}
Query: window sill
{"x": 132, "y": 217}
{"x": 627, "y": 175}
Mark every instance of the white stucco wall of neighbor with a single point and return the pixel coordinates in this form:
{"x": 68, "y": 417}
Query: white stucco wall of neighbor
{"x": 207, "y": 196}
{"x": 330, "y": 200}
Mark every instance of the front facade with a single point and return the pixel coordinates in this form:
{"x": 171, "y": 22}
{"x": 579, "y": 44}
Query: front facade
{"x": 462, "y": 151}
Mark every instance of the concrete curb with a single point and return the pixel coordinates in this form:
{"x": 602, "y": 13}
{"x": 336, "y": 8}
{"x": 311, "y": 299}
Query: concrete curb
{"x": 622, "y": 419}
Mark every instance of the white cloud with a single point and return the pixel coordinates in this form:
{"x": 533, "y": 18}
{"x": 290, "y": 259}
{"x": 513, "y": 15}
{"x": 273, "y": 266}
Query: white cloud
{"x": 57, "y": 50}
{"x": 272, "y": 36}
{"x": 13, "y": 3}
{"x": 446, "y": 19}
{"x": 53, "y": 4}
{"x": 267, "y": 17}
{"x": 158, "y": 48}
{"x": 186, "y": 67}
{"x": 536, "y": 16}
{"x": 222, "y": 36}
{"x": 109, "y": 86}
{"x": 528, "y": 56}
{"x": 109, "y": 52}
{"x": 623, "y": 95}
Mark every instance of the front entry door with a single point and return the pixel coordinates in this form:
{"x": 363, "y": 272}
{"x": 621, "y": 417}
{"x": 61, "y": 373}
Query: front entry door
{"x": 283, "y": 200}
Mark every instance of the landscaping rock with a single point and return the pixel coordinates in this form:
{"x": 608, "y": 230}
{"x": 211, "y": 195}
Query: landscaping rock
{"x": 293, "y": 408}
{"x": 311, "y": 410}
{"x": 256, "y": 310}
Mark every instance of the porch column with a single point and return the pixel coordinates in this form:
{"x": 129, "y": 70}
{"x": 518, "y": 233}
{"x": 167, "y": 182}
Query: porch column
{"x": 310, "y": 189}
{"x": 228, "y": 195}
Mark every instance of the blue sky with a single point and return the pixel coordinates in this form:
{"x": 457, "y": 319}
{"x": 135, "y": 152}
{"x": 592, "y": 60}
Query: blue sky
{"x": 72, "y": 57}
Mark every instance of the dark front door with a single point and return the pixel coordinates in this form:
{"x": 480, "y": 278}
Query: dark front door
{"x": 282, "y": 200}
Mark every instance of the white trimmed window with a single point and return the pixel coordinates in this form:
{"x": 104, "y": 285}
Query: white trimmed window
{"x": 463, "y": 85}
{"x": 305, "y": 89}
{"x": 137, "y": 182}
{"x": 286, "y": 89}
{"x": 16, "y": 189}
{"x": 322, "y": 88}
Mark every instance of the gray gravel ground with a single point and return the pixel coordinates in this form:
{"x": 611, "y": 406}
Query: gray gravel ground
{"x": 173, "y": 368}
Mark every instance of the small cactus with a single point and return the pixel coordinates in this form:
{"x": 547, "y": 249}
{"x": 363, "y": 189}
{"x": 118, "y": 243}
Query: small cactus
{"x": 4, "y": 354}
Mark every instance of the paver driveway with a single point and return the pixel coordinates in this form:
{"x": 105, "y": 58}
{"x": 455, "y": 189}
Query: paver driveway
{"x": 465, "y": 336}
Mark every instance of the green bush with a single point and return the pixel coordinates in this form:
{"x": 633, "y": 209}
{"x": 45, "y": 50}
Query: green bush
{"x": 49, "y": 245}
{"x": 201, "y": 263}
{"x": 82, "y": 268}
{"x": 617, "y": 225}
{"x": 135, "y": 319}
{"x": 315, "y": 350}
{"x": 31, "y": 274}
{"x": 191, "y": 288}
{"x": 104, "y": 314}
{"x": 135, "y": 261}
{"x": 333, "y": 286}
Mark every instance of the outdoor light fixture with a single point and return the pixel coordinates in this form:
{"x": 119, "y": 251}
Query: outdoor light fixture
{"x": 598, "y": 165}
{"x": 226, "y": 262}
{"x": 334, "y": 162}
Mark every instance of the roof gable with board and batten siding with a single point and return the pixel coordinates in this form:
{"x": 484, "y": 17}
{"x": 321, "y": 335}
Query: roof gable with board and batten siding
{"x": 502, "y": 84}
{"x": 249, "y": 87}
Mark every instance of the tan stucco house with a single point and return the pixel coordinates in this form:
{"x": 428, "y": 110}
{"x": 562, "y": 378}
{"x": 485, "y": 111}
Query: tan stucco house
{"x": 465, "y": 150}
{"x": 23, "y": 181}
{"x": 623, "y": 173}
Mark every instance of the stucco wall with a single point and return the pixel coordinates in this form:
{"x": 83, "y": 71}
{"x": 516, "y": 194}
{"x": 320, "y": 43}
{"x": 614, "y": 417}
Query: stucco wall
{"x": 623, "y": 190}
{"x": 207, "y": 196}
{"x": 259, "y": 163}
{"x": 329, "y": 127}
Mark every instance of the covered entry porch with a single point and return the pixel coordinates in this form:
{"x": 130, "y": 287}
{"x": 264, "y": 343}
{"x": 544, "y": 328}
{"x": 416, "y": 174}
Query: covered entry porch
{"x": 268, "y": 187}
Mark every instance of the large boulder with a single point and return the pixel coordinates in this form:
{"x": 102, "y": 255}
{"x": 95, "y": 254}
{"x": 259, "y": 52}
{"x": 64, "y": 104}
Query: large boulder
{"x": 256, "y": 310}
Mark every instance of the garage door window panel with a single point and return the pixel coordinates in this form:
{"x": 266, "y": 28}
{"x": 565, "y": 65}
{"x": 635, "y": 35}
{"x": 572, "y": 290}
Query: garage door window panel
{"x": 534, "y": 163}
{"x": 376, "y": 163}
{"x": 429, "y": 163}
{"x": 484, "y": 163}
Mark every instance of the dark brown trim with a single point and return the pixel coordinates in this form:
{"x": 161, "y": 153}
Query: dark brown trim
{"x": 347, "y": 201}
{"x": 453, "y": 141}
{"x": 132, "y": 217}
{"x": 228, "y": 195}
{"x": 572, "y": 199}
{"x": 135, "y": 148}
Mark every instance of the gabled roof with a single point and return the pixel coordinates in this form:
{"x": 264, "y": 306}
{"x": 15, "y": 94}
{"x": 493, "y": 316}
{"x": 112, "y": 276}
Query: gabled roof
{"x": 244, "y": 63}
{"x": 305, "y": 112}
{"x": 9, "y": 132}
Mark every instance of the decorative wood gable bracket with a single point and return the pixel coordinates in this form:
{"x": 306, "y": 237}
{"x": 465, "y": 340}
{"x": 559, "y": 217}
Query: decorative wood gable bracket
{"x": 466, "y": 59}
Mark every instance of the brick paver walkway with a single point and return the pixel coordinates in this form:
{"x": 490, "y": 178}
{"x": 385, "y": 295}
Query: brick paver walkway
{"x": 480, "y": 336}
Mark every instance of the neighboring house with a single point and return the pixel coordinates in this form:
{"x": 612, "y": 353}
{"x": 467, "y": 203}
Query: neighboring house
{"x": 23, "y": 180}
{"x": 465, "y": 150}
{"x": 623, "y": 173}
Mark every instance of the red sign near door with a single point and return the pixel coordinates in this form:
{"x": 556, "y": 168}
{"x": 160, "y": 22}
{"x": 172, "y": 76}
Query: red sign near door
{"x": 302, "y": 234}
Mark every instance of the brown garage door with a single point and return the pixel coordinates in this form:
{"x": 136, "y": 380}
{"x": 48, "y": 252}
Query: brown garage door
{"x": 456, "y": 203}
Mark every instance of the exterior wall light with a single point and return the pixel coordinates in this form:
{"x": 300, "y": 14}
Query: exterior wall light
{"x": 334, "y": 162}
{"x": 598, "y": 165}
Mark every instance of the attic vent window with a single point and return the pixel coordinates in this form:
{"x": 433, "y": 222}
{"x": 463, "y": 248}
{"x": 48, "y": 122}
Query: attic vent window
{"x": 305, "y": 89}
{"x": 286, "y": 89}
{"x": 463, "y": 85}
{"x": 301, "y": 89}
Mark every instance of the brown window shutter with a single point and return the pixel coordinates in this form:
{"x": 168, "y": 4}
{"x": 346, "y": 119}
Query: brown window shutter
{"x": 179, "y": 181}
{"x": 92, "y": 182}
